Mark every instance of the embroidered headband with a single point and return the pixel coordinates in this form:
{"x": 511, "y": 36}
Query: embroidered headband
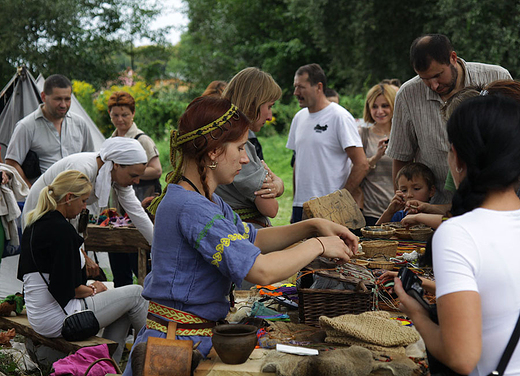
{"x": 177, "y": 140}
{"x": 176, "y": 154}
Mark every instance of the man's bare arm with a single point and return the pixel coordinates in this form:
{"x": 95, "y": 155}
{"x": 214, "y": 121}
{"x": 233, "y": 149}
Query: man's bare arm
{"x": 359, "y": 168}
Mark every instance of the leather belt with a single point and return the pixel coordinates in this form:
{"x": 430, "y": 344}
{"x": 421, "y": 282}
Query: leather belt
{"x": 164, "y": 322}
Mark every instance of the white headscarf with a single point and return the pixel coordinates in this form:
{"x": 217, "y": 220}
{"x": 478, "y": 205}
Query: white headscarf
{"x": 120, "y": 150}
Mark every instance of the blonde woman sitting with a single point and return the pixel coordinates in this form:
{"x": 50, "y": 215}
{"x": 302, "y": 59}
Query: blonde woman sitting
{"x": 53, "y": 269}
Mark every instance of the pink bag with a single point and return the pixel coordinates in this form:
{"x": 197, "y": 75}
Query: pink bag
{"x": 77, "y": 364}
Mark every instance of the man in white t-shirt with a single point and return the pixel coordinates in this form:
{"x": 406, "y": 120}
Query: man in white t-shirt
{"x": 328, "y": 150}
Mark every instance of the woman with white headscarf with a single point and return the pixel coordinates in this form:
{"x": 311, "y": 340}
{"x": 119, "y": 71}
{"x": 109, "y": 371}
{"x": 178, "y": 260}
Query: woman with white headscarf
{"x": 119, "y": 164}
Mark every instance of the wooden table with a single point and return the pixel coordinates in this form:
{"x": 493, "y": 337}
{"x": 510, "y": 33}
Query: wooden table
{"x": 119, "y": 240}
{"x": 213, "y": 366}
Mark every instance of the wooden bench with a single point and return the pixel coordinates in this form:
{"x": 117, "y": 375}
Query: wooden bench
{"x": 21, "y": 325}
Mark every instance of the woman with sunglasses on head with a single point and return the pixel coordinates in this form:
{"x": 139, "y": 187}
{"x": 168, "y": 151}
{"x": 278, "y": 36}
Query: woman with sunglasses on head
{"x": 252, "y": 194}
{"x": 201, "y": 246}
{"x": 53, "y": 273}
{"x": 377, "y": 188}
{"x": 475, "y": 253}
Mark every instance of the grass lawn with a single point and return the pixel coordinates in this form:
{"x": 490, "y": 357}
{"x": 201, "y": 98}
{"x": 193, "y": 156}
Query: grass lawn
{"x": 277, "y": 157}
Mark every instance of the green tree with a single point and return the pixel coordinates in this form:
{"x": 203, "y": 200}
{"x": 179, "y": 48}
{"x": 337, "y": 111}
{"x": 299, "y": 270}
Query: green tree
{"x": 366, "y": 41}
{"x": 151, "y": 61}
{"x": 77, "y": 38}
{"x": 357, "y": 43}
{"x": 485, "y": 30}
{"x": 225, "y": 36}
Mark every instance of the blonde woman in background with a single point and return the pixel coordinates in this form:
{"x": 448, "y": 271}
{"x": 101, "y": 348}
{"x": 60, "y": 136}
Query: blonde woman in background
{"x": 252, "y": 195}
{"x": 53, "y": 269}
{"x": 377, "y": 186}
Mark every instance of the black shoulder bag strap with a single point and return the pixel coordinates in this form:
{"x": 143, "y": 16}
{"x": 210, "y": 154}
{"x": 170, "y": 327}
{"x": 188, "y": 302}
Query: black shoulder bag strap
{"x": 44, "y": 280}
{"x": 139, "y": 135}
{"x": 508, "y": 352}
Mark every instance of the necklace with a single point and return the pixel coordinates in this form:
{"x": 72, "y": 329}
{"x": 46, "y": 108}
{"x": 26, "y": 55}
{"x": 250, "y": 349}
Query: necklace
{"x": 184, "y": 178}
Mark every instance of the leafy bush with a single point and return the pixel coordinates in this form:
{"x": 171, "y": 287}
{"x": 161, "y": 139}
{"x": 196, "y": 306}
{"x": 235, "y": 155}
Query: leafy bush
{"x": 354, "y": 104}
{"x": 84, "y": 92}
{"x": 158, "y": 108}
{"x": 156, "y": 111}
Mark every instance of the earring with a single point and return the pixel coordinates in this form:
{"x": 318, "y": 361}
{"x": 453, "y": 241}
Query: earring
{"x": 213, "y": 165}
{"x": 459, "y": 169}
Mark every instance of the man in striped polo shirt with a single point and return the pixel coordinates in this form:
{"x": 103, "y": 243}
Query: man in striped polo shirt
{"x": 418, "y": 131}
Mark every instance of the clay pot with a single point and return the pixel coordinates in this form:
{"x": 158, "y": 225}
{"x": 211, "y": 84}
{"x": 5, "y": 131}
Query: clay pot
{"x": 234, "y": 343}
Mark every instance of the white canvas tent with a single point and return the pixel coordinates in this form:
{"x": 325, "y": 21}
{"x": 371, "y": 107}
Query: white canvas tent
{"x": 19, "y": 98}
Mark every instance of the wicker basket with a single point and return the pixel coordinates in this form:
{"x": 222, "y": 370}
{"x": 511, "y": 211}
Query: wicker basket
{"x": 393, "y": 224}
{"x": 359, "y": 262}
{"x": 331, "y": 303}
{"x": 421, "y": 234}
{"x": 402, "y": 233}
{"x": 383, "y": 232}
{"x": 381, "y": 264}
{"x": 373, "y": 248}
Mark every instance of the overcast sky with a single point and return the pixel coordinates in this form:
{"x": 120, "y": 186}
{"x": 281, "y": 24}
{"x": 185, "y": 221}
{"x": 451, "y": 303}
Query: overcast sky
{"x": 171, "y": 16}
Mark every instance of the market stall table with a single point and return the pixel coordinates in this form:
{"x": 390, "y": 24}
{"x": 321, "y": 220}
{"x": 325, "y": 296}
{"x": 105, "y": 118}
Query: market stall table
{"x": 119, "y": 240}
{"x": 213, "y": 366}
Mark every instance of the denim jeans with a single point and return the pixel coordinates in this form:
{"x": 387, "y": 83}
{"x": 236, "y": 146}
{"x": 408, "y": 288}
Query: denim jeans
{"x": 297, "y": 214}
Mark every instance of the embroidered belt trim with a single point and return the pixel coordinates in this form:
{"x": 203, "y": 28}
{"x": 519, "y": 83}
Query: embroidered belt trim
{"x": 187, "y": 323}
{"x": 248, "y": 213}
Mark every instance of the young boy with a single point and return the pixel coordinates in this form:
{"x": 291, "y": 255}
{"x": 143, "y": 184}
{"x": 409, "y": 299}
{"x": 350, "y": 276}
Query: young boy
{"x": 414, "y": 181}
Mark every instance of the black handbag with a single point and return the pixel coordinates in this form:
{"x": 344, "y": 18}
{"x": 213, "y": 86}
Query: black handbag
{"x": 79, "y": 325}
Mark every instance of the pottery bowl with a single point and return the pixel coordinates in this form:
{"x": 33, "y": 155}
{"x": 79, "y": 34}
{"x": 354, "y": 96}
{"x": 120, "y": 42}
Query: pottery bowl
{"x": 234, "y": 342}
